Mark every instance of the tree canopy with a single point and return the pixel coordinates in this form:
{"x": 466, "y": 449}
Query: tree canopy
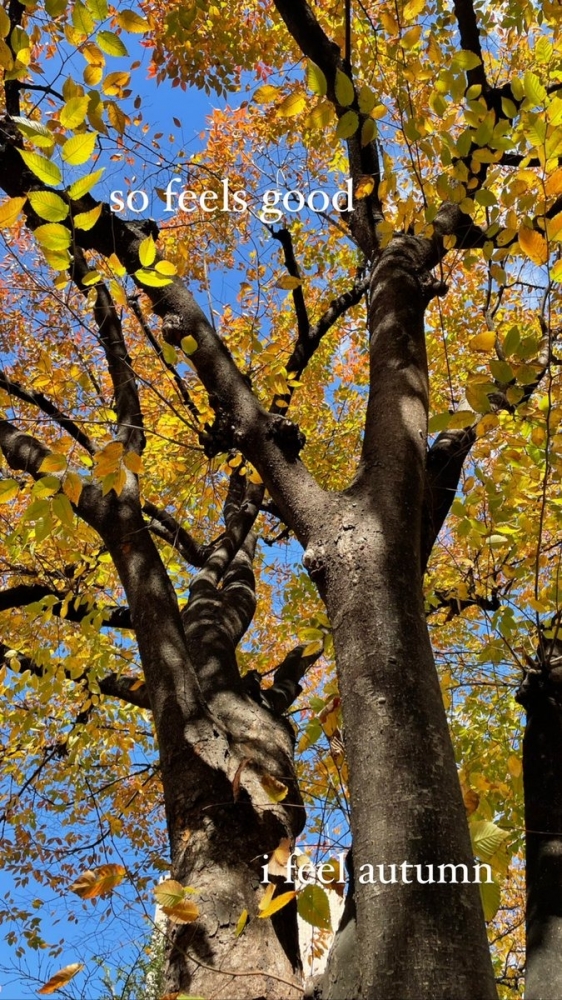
{"x": 280, "y": 432}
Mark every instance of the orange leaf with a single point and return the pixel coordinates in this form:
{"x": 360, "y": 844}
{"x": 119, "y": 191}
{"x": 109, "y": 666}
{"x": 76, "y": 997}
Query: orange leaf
{"x": 61, "y": 978}
{"x": 98, "y": 882}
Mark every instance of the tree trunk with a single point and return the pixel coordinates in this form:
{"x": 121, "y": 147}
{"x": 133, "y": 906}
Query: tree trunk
{"x": 542, "y": 779}
{"x": 218, "y": 842}
{"x": 424, "y": 942}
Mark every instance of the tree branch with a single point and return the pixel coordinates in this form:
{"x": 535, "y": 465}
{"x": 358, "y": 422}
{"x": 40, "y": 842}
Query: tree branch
{"x": 171, "y": 531}
{"x": 127, "y": 402}
{"x": 23, "y": 594}
{"x": 50, "y": 409}
{"x": 445, "y": 461}
{"x": 125, "y": 688}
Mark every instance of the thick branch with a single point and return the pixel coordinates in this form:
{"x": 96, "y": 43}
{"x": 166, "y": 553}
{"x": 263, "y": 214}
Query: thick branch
{"x": 445, "y": 461}
{"x": 283, "y": 236}
{"x": 50, "y": 409}
{"x": 286, "y": 685}
{"x": 470, "y": 40}
{"x": 363, "y": 160}
{"x": 24, "y": 594}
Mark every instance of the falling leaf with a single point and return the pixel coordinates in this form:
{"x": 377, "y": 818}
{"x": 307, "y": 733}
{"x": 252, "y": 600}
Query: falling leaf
{"x": 61, "y": 978}
{"x": 275, "y": 790}
{"x": 98, "y": 882}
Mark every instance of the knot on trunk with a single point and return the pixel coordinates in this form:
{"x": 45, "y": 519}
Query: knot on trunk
{"x": 287, "y": 436}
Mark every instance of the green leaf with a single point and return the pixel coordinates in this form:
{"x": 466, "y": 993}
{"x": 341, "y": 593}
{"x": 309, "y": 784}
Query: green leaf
{"x": 111, "y": 44}
{"x": 487, "y": 838}
{"x": 189, "y": 345}
{"x": 85, "y": 184}
{"x": 533, "y": 89}
{"x": 79, "y": 149}
{"x": 48, "y": 205}
{"x": 46, "y": 171}
{"x": 315, "y": 79}
{"x": 98, "y": 8}
{"x": 345, "y": 93}
{"x": 467, "y": 60}
{"x": 314, "y": 907}
{"x": 347, "y": 125}
{"x": 60, "y": 505}
{"x": 82, "y": 19}
{"x": 490, "y": 895}
{"x": 9, "y": 489}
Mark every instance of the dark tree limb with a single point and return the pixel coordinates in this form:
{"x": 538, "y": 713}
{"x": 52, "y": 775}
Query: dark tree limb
{"x": 127, "y": 402}
{"x": 171, "y": 531}
{"x": 24, "y": 594}
{"x": 125, "y": 688}
{"x": 44, "y": 404}
{"x": 286, "y": 685}
{"x": 283, "y": 236}
{"x": 445, "y": 462}
{"x": 313, "y": 42}
{"x": 470, "y": 40}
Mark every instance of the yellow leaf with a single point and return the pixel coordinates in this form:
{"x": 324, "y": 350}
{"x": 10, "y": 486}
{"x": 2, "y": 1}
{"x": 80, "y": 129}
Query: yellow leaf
{"x": 169, "y": 893}
{"x": 9, "y": 210}
{"x": 389, "y": 22}
{"x": 292, "y": 105}
{"x": 92, "y": 76}
{"x": 151, "y": 278}
{"x": 268, "y": 906}
{"x": 46, "y": 171}
{"x": 53, "y": 236}
{"x": 166, "y": 267}
{"x": 556, "y": 271}
{"x": 411, "y": 37}
{"x": 8, "y": 490}
{"x": 85, "y": 184}
{"x": 266, "y": 94}
{"x": 276, "y": 790}
{"x": 364, "y": 186}
{"x": 72, "y": 487}
{"x": 147, "y": 251}
{"x": 182, "y": 913}
{"x": 345, "y": 91}
{"x": 241, "y": 923}
{"x": 313, "y": 647}
{"x": 130, "y": 21}
{"x": 74, "y": 112}
{"x": 91, "y": 278}
{"x": 87, "y": 220}
{"x": 533, "y": 245}
{"x": 133, "y": 462}
{"x": 413, "y": 8}
{"x": 514, "y": 765}
{"x": 315, "y": 79}
{"x": 483, "y": 341}
{"x": 347, "y": 125}
{"x": 189, "y": 345}
{"x": 53, "y": 463}
{"x": 108, "y": 459}
{"x": 253, "y": 475}
{"x": 553, "y": 185}
{"x": 48, "y": 205}
{"x": 98, "y": 882}
{"x": 61, "y": 978}
{"x": 279, "y": 858}
{"x": 79, "y": 149}
{"x": 287, "y": 283}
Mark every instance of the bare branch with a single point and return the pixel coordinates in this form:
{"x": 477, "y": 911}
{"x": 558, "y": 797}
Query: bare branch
{"x": 165, "y": 526}
{"x": 41, "y": 401}
{"x": 283, "y": 236}
{"x": 127, "y": 402}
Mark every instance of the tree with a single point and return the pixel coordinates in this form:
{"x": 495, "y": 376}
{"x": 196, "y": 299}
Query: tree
{"x": 135, "y": 420}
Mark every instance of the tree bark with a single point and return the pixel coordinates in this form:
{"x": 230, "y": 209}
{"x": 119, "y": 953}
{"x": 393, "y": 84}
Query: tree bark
{"x": 542, "y": 779}
{"x": 412, "y": 940}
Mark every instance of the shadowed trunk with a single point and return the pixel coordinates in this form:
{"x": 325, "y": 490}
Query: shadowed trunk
{"x": 540, "y": 694}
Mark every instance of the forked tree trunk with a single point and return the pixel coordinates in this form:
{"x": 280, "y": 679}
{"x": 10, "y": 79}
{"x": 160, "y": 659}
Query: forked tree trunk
{"x": 406, "y": 802}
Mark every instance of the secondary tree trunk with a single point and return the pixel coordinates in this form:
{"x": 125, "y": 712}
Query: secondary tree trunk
{"x": 541, "y": 695}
